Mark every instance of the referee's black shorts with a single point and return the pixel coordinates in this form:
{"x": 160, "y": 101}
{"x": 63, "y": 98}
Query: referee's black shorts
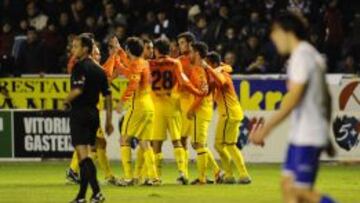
{"x": 84, "y": 123}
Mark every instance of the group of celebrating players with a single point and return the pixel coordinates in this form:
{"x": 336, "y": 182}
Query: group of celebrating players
{"x": 170, "y": 96}
{"x": 176, "y": 96}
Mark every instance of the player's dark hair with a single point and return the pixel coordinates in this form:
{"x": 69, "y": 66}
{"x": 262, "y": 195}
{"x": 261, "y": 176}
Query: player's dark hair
{"x": 87, "y": 34}
{"x": 201, "y": 48}
{"x": 214, "y": 57}
{"x": 86, "y": 42}
{"x": 135, "y": 46}
{"x": 291, "y": 22}
{"x": 163, "y": 46}
{"x": 188, "y": 36}
{"x": 147, "y": 41}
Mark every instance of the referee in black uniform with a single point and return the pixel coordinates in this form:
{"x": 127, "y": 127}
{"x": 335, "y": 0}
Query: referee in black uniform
{"x": 87, "y": 81}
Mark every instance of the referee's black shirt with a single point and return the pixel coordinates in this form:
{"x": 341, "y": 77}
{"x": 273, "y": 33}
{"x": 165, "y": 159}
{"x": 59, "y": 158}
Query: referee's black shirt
{"x": 91, "y": 78}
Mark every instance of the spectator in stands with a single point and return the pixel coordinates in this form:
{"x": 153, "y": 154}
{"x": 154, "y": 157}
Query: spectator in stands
{"x": 31, "y": 54}
{"x": 23, "y": 27}
{"x": 200, "y": 29}
{"x": 254, "y": 27}
{"x": 299, "y": 6}
{"x": 249, "y": 51}
{"x": 334, "y": 34}
{"x": 79, "y": 11}
{"x": 231, "y": 59}
{"x": 229, "y": 41}
{"x": 54, "y": 45}
{"x": 110, "y": 17}
{"x": 211, "y": 7}
{"x": 164, "y": 26}
{"x": 218, "y": 25}
{"x": 270, "y": 7}
{"x": 257, "y": 66}
{"x": 65, "y": 25}
{"x": 35, "y": 17}
{"x": 335, "y": 27}
{"x": 349, "y": 65}
{"x": 148, "y": 25}
{"x": 6, "y": 41}
{"x": 119, "y": 31}
{"x": 90, "y": 26}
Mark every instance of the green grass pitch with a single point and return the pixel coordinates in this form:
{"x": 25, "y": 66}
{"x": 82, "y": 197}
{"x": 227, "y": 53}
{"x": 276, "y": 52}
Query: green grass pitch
{"x": 44, "y": 182}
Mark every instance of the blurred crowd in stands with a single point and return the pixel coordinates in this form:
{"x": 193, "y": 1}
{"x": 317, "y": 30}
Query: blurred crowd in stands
{"x": 36, "y": 36}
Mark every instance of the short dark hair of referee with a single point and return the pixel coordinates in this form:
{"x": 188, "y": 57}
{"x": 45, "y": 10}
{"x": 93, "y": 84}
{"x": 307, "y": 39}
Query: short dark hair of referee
{"x": 88, "y": 80}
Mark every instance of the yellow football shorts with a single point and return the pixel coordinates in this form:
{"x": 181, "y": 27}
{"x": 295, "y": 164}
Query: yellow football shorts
{"x": 186, "y": 126}
{"x": 138, "y": 124}
{"x": 164, "y": 124}
{"x": 227, "y": 130}
{"x": 199, "y": 130}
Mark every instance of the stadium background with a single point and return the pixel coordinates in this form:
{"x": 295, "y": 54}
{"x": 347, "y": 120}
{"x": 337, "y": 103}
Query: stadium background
{"x": 35, "y": 41}
{"x": 238, "y": 29}
{"x": 35, "y": 44}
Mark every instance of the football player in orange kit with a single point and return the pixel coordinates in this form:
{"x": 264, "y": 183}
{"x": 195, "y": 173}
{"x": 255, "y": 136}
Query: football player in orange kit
{"x": 184, "y": 41}
{"x": 230, "y": 116}
{"x": 168, "y": 77}
{"x": 200, "y": 113}
{"x": 139, "y": 119}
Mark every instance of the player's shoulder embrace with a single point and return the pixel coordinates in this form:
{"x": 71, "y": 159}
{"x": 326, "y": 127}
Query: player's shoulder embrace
{"x": 165, "y": 62}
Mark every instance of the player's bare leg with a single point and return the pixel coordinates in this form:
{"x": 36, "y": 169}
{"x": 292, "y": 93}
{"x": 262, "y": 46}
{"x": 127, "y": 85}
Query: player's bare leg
{"x": 287, "y": 188}
{"x": 309, "y": 195}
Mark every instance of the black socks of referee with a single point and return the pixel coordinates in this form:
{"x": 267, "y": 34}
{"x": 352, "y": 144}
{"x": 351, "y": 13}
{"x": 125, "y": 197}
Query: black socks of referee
{"x": 87, "y": 175}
